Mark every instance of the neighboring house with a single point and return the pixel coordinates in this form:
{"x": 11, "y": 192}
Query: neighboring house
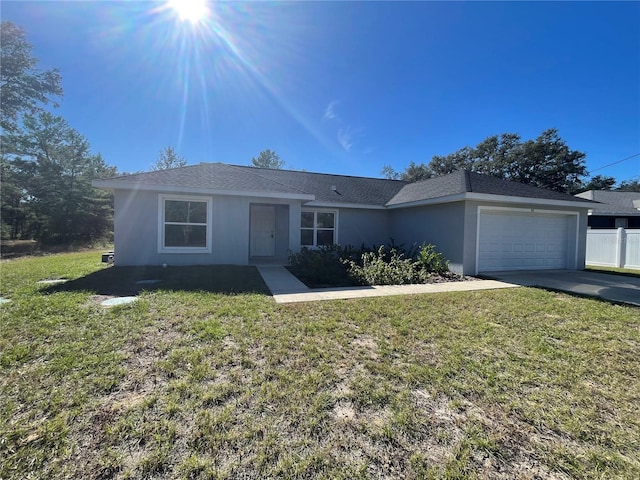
{"x": 214, "y": 213}
{"x": 615, "y": 209}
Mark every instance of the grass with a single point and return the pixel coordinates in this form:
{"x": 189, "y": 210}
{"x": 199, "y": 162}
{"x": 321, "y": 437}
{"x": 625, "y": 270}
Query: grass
{"x": 209, "y": 379}
{"x": 625, "y": 271}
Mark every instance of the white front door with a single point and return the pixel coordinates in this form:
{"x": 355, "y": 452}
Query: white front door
{"x": 263, "y": 231}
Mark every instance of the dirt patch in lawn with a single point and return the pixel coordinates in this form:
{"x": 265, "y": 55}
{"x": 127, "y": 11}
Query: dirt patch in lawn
{"x": 142, "y": 380}
{"x": 96, "y": 300}
{"x": 366, "y": 345}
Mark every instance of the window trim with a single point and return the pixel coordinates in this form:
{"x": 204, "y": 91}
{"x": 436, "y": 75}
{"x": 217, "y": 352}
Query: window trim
{"x": 315, "y": 212}
{"x": 161, "y": 224}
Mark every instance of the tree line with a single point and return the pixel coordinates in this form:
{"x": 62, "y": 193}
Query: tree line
{"x": 545, "y": 162}
{"x": 46, "y": 166}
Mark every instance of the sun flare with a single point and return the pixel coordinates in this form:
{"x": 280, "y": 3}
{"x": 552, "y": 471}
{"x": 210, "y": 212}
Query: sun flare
{"x": 191, "y": 10}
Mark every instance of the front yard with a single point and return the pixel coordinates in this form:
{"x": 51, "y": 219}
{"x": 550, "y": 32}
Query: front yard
{"x": 205, "y": 377}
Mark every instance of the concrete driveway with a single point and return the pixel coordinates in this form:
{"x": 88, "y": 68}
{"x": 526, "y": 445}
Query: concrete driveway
{"x": 618, "y": 288}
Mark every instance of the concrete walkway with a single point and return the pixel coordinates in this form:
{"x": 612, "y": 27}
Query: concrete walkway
{"x": 286, "y": 288}
{"x": 281, "y": 281}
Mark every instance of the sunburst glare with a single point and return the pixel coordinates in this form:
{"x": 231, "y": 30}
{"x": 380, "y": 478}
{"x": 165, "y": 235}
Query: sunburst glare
{"x": 221, "y": 51}
{"x": 193, "y": 11}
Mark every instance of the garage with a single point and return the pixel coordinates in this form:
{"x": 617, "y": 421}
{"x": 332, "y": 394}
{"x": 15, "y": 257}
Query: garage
{"x": 524, "y": 240}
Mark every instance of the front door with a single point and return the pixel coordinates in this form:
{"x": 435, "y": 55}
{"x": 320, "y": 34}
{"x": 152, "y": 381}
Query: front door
{"x": 263, "y": 231}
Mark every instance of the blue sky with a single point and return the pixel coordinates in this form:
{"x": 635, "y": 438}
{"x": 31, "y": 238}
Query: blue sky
{"x": 342, "y": 87}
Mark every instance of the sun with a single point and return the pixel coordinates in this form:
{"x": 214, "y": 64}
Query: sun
{"x": 191, "y": 10}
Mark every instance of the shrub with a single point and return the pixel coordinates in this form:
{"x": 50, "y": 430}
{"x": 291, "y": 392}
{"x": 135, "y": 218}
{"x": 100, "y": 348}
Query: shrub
{"x": 385, "y": 267}
{"x": 431, "y": 261}
{"x": 322, "y": 266}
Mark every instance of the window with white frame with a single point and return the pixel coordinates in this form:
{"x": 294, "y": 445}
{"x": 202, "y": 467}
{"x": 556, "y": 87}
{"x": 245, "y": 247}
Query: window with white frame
{"x": 318, "y": 228}
{"x": 184, "y": 224}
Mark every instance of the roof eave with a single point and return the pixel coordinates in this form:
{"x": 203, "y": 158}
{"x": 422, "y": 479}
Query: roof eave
{"x": 488, "y": 197}
{"x": 614, "y": 214}
{"x": 429, "y": 201}
{"x": 116, "y": 185}
{"x": 325, "y": 204}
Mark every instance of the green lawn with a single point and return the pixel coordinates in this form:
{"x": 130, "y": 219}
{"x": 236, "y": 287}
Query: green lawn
{"x": 626, "y": 271}
{"x": 206, "y": 377}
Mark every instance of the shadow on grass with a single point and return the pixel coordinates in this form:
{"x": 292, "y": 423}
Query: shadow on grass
{"x": 122, "y": 281}
{"x": 321, "y": 278}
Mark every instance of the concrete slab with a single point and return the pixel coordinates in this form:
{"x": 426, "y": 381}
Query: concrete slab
{"x": 617, "y": 288}
{"x": 388, "y": 290}
{"x": 53, "y": 282}
{"x": 280, "y": 280}
{"x": 286, "y": 288}
{"x": 114, "y": 302}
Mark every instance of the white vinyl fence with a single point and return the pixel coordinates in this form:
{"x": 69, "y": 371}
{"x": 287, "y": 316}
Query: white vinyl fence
{"x": 613, "y": 248}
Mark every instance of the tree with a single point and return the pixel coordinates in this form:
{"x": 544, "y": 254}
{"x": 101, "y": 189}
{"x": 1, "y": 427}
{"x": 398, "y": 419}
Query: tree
{"x": 389, "y": 172}
{"x": 460, "y": 160}
{"x": 545, "y": 162}
{"x": 599, "y": 182}
{"x": 24, "y": 88}
{"x": 13, "y": 198}
{"x": 168, "y": 158}
{"x": 630, "y": 185}
{"x": 416, "y": 172}
{"x": 51, "y": 168}
{"x": 267, "y": 159}
{"x": 413, "y": 173}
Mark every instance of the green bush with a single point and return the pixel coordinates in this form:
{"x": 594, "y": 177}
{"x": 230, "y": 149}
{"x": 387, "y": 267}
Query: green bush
{"x": 430, "y": 260}
{"x": 385, "y": 267}
{"x": 322, "y": 266}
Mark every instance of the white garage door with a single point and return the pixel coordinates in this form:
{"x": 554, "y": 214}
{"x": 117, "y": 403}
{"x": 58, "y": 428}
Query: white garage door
{"x": 522, "y": 241}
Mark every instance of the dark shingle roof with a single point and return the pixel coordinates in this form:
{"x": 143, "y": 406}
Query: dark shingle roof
{"x": 223, "y": 177}
{"x": 469, "y": 182}
{"x": 356, "y": 190}
{"x": 444, "y": 186}
{"x": 328, "y": 188}
{"x": 612, "y": 202}
{"x": 214, "y": 176}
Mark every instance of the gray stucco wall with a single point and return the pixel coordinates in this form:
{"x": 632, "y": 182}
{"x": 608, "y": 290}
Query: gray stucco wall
{"x": 451, "y": 227}
{"x": 357, "y": 226}
{"x": 136, "y": 230}
{"x": 442, "y": 225}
